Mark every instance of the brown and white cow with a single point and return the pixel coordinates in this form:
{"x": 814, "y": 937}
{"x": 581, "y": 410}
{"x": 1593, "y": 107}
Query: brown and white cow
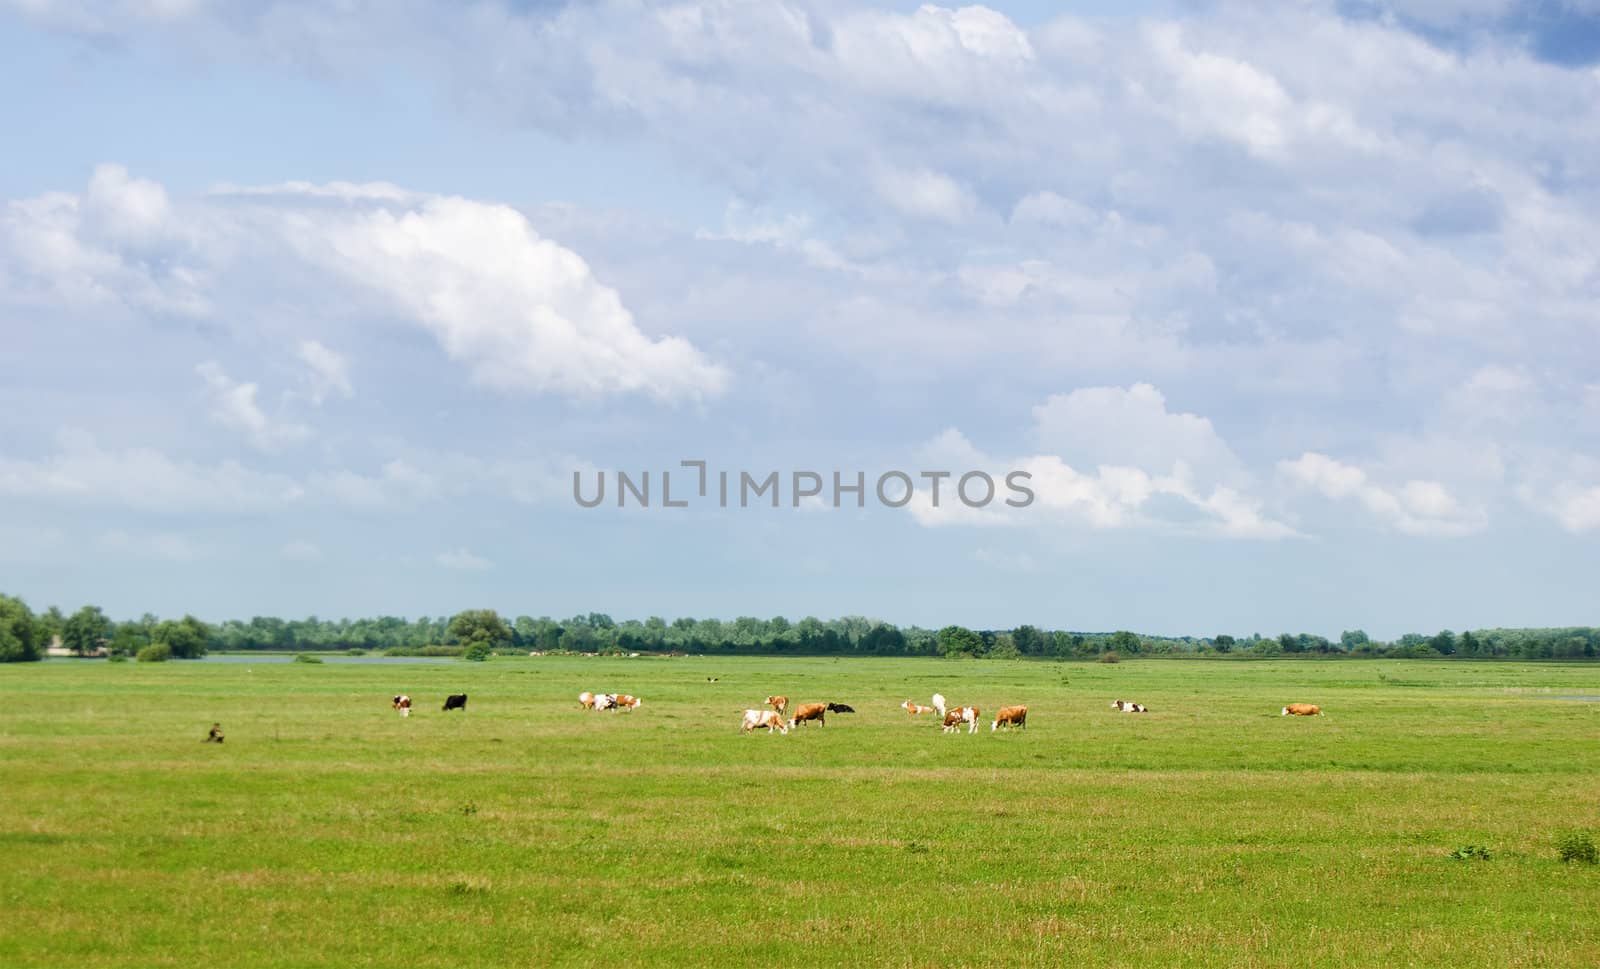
{"x": 961, "y": 715}
{"x": 403, "y": 704}
{"x": 1128, "y": 706}
{"x": 627, "y": 702}
{"x": 915, "y": 708}
{"x": 809, "y": 711}
{"x": 1301, "y": 710}
{"x": 605, "y": 701}
{"x": 586, "y": 700}
{"x": 763, "y": 718}
{"x": 778, "y": 703}
{"x": 1010, "y": 717}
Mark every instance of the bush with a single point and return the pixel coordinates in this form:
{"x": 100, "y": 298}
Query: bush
{"x": 117, "y": 658}
{"x": 477, "y": 652}
{"x": 1110, "y": 657}
{"x": 358, "y": 651}
{"x": 1471, "y": 853}
{"x": 1577, "y": 847}
{"x": 306, "y": 658}
{"x": 155, "y": 653}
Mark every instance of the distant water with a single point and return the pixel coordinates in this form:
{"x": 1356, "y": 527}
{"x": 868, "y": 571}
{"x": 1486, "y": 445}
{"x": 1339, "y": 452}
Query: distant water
{"x": 1581, "y": 699}
{"x": 325, "y": 657}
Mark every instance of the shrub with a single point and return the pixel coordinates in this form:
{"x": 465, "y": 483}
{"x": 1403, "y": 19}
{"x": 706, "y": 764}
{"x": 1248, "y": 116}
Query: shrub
{"x": 477, "y": 652}
{"x": 1110, "y": 657}
{"x": 358, "y": 651}
{"x": 155, "y": 653}
{"x": 117, "y": 658}
{"x": 1577, "y": 847}
{"x": 1470, "y": 853}
{"x": 306, "y": 658}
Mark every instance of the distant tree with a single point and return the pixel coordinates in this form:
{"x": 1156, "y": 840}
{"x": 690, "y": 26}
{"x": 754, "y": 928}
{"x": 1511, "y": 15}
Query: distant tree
{"x": 19, "y": 632}
{"x": 1030, "y": 641}
{"x": 49, "y": 625}
{"x": 186, "y": 638}
{"x": 484, "y": 626}
{"x": 1224, "y": 643}
{"x": 1469, "y": 645}
{"x": 1004, "y": 647}
{"x": 1351, "y": 639}
{"x": 1124, "y": 642}
{"x": 955, "y": 640}
{"x": 86, "y": 631}
{"x": 1443, "y": 642}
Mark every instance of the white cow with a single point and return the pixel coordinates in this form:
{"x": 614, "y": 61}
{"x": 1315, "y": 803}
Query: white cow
{"x": 938, "y": 703}
{"x": 770, "y": 719}
{"x": 605, "y": 701}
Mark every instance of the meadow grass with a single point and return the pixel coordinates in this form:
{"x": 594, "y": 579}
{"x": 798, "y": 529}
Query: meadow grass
{"x": 328, "y": 831}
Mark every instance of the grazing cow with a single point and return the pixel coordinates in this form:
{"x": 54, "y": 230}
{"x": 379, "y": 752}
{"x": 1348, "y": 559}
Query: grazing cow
{"x": 778, "y": 703}
{"x": 586, "y": 700}
{"x": 605, "y": 701}
{"x": 938, "y": 703}
{"x": 1301, "y": 710}
{"x": 763, "y": 718}
{"x": 961, "y": 715}
{"x": 1128, "y": 706}
{"x": 809, "y": 711}
{"x": 1011, "y": 717}
{"x": 455, "y": 701}
{"x": 403, "y": 704}
{"x": 214, "y": 735}
{"x": 626, "y": 702}
{"x": 915, "y": 708}
{"x": 840, "y": 708}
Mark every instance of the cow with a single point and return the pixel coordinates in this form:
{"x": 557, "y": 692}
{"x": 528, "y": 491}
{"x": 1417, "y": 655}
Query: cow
{"x": 1128, "y": 706}
{"x": 938, "y": 703}
{"x": 403, "y": 704}
{"x": 456, "y": 701}
{"x": 840, "y": 708}
{"x": 627, "y": 702}
{"x": 214, "y": 735}
{"x": 763, "y": 718}
{"x": 806, "y": 712}
{"x": 586, "y": 700}
{"x": 1301, "y": 710}
{"x": 778, "y": 703}
{"x": 605, "y": 701}
{"x": 915, "y": 708}
{"x": 1011, "y": 717}
{"x": 961, "y": 715}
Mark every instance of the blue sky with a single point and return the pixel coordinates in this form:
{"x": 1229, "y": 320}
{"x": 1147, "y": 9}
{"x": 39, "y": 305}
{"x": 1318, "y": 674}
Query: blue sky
{"x": 1289, "y": 309}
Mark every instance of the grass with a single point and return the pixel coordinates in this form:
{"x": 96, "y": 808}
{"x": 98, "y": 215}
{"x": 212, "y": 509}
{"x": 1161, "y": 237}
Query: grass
{"x": 328, "y": 831}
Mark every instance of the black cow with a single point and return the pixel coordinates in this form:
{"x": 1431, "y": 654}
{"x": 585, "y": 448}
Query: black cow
{"x": 455, "y": 701}
{"x": 840, "y": 708}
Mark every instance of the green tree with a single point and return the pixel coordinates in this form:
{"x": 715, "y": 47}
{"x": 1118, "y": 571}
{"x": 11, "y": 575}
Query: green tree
{"x": 1030, "y": 641}
{"x": 19, "y": 632}
{"x": 86, "y": 631}
{"x": 955, "y": 640}
{"x": 187, "y": 638}
{"x": 484, "y": 626}
{"x": 1224, "y": 643}
{"x": 1352, "y": 639}
{"x": 1444, "y": 642}
{"x": 1124, "y": 642}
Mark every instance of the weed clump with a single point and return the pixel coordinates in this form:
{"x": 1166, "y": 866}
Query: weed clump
{"x": 1471, "y": 853}
{"x": 1110, "y": 656}
{"x": 306, "y": 658}
{"x": 1577, "y": 847}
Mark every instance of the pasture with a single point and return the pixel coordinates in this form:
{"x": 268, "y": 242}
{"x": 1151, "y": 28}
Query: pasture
{"x": 327, "y": 831}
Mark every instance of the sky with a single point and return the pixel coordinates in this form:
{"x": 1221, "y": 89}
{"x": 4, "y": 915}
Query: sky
{"x": 1286, "y": 311}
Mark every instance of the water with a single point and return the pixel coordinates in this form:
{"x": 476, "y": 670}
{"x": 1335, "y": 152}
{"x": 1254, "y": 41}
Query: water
{"x": 325, "y": 657}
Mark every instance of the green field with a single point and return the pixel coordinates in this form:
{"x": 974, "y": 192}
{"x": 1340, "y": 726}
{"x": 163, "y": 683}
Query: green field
{"x": 328, "y": 831}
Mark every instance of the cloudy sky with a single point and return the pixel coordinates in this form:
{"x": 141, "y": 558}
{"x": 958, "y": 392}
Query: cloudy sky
{"x": 1289, "y": 309}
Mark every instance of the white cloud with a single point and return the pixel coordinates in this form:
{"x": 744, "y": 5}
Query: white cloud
{"x": 1130, "y": 427}
{"x": 167, "y": 546}
{"x": 924, "y": 194}
{"x": 233, "y": 405}
{"x": 329, "y": 371}
{"x": 463, "y": 560}
{"x": 1417, "y": 507}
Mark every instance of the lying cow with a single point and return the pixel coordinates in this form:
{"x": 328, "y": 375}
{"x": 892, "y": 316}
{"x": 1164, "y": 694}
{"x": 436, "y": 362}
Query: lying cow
{"x": 840, "y": 708}
{"x": 763, "y": 718}
{"x": 915, "y": 708}
{"x": 778, "y": 703}
{"x": 810, "y": 711}
{"x": 1128, "y": 706}
{"x": 938, "y": 703}
{"x": 1010, "y": 717}
{"x": 403, "y": 704}
{"x": 961, "y": 715}
{"x": 456, "y": 701}
{"x": 1301, "y": 710}
{"x": 626, "y": 702}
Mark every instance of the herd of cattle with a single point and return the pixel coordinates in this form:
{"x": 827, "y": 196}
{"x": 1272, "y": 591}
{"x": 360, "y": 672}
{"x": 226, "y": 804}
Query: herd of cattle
{"x": 773, "y": 720}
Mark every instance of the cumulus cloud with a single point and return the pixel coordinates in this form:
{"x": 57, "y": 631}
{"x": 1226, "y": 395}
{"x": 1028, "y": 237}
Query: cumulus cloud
{"x": 329, "y": 371}
{"x": 1415, "y": 507}
{"x": 233, "y": 405}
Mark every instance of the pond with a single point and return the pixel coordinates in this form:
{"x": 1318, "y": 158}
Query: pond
{"x": 325, "y": 657}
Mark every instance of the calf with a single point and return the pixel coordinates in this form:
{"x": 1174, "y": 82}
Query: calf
{"x": 1011, "y": 717}
{"x": 961, "y": 715}
{"x": 456, "y": 701}
{"x": 840, "y": 708}
{"x": 1128, "y": 706}
{"x": 778, "y": 703}
{"x": 938, "y": 703}
{"x": 403, "y": 704}
{"x": 763, "y": 718}
{"x": 586, "y": 700}
{"x": 810, "y": 711}
{"x": 1301, "y": 710}
{"x": 915, "y": 708}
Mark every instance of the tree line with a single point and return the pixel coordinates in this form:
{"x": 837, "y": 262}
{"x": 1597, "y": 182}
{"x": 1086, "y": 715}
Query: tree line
{"x": 24, "y": 635}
